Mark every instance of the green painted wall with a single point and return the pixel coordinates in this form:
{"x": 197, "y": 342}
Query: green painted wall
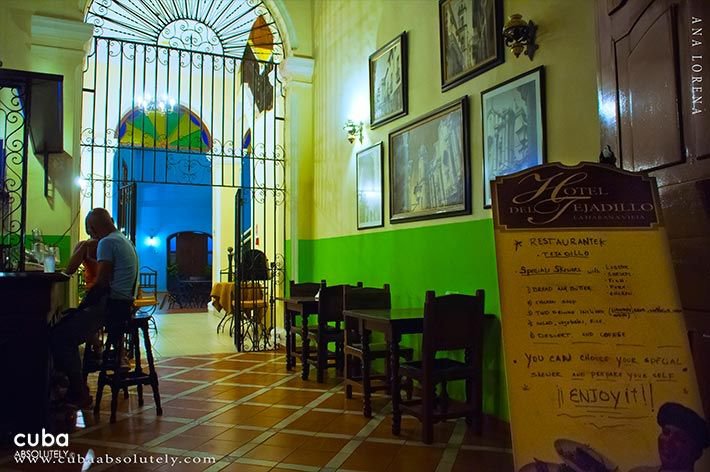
{"x": 456, "y": 257}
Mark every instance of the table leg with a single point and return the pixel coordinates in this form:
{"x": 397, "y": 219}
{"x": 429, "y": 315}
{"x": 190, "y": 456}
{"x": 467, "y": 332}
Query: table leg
{"x": 366, "y": 361}
{"x": 289, "y": 347}
{"x": 395, "y": 338}
{"x": 305, "y": 345}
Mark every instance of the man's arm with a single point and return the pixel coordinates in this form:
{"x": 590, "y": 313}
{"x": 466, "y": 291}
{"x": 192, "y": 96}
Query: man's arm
{"x": 103, "y": 280}
{"x": 76, "y": 258}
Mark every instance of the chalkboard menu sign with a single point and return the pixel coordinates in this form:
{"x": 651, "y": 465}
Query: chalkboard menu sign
{"x": 600, "y": 376}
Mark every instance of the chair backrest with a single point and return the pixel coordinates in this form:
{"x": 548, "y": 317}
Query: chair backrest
{"x": 251, "y": 291}
{"x": 330, "y": 302}
{"x": 148, "y": 282}
{"x": 253, "y": 265}
{"x": 305, "y": 289}
{"x": 453, "y": 322}
{"x": 367, "y": 297}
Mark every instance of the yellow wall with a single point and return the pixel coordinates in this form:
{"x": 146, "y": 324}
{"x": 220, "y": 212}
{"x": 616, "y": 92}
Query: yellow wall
{"x": 346, "y": 32}
{"x": 25, "y": 49}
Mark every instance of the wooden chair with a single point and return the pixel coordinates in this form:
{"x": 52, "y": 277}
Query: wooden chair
{"x": 451, "y": 322}
{"x": 292, "y": 319}
{"x": 359, "y": 355}
{"x": 328, "y": 330}
{"x": 146, "y": 301}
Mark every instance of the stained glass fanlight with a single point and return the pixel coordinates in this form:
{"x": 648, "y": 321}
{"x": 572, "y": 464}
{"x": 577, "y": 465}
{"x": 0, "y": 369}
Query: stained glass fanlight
{"x": 213, "y": 26}
{"x": 175, "y": 128}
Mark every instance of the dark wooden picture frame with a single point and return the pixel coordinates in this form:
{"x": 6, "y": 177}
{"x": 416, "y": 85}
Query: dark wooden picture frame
{"x": 513, "y": 123}
{"x": 470, "y": 40}
{"x": 389, "y": 82}
{"x": 369, "y": 185}
{"x": 429, "y": 163}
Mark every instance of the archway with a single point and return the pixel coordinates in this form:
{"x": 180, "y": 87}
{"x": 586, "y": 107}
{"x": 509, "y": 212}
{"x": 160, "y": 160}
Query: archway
{"x": 188, "y": 94}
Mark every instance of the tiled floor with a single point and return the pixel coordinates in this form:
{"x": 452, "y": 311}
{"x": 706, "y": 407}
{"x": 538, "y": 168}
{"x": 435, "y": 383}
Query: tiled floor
{"x": 244, "y": 412}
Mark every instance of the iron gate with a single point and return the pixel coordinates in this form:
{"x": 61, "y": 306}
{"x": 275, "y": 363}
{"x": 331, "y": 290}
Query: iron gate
{"x": 177, "y": 112}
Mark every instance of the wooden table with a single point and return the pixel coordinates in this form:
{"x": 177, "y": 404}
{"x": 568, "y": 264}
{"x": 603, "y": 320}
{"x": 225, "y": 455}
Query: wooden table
{"x": 222, "y": 295}
{"x": 393, "y": 322}
{"x": 295, "y": 306}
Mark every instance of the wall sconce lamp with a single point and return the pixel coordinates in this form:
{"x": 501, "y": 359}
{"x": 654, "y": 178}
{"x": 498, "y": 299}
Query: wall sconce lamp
{"x": 519, "y": 36}
{"x": 354, "y": 130}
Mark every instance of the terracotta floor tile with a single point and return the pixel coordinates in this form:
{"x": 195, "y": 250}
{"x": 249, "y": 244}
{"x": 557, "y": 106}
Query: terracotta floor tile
{"x": 202, "y": 374}
{"x": 186, "y": 443}
{"x": 484, "y": 460}
{"x": 261, "y": 421}
{"x": 164, "y": 371}
{"x": 173, "y": 388}
{"x": 194, "y": 404}
{"x": 232, "y": 364}
{"x": 313, "y": 421}
{"x": 422, "y": 459}
{"x": 271, "y": 367}
{"x": 205, "y": 431}
{"x": 270, "y": 397}
{"x": 287, "y": 440}
{"x": 237, "y": 435}
{"x": 171, "y": 411}
{"x": 298, "y": 398}
{"x": 269, "y": 453}
{"x": 411, "y": 430}
{"x": 251, "y": 378}
{"x": 260, "y": 356}
{"x": 217, "y": 446}
{"x": 316, "y": 443}
{"x": 278, "y": 412}
{"x": 235, "y": 393}
{"x": 372, "y": 457}
{"x": 182, "y": 362}
{"x": 308, "y": 457}
{"x": 237, "y": 413}
{"x": 346, "y": 424}
{"x": 237, "y": 467}
{"x": 209, "y": 390}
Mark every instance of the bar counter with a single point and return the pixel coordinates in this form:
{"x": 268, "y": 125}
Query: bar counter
{"x": 28, "y": 301}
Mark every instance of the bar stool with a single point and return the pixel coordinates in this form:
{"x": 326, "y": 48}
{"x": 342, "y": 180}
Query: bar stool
{"x": 121, "y": 378}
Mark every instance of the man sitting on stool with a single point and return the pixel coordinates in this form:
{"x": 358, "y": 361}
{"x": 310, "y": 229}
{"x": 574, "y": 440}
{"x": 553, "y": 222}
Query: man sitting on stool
{"x": 117, "y": 276}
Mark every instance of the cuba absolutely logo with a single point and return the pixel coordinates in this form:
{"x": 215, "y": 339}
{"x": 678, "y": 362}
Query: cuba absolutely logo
{"x": 43, "y": 439}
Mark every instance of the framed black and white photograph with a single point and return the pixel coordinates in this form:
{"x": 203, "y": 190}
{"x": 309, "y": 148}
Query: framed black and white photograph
{"x": 513, "y": 127}
{"x": 388, "y": 82}
{"x": 369, "y": 187}
{"x": 470, "y": 39}
{"x": 429, "y": 165}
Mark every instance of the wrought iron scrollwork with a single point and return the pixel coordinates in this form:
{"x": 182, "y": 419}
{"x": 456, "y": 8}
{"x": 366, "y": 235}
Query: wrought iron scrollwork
{"x": 12, "y": 177}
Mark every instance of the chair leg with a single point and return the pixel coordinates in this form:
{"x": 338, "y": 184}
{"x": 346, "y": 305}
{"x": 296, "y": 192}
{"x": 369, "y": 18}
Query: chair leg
{"x": 99, "y": 392}
{"x": 474, "y": 397}
{"x": 349, "y": 360}
{"x": 366, "y": 386}
{"x": 428, "y": 394}
{"x": 305, "y": 347}
{"x": 114, "y": 401}
{"x": 322, "y": 357}
{"x": 152, "y": 373}
{"x": 289, "y": 345}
